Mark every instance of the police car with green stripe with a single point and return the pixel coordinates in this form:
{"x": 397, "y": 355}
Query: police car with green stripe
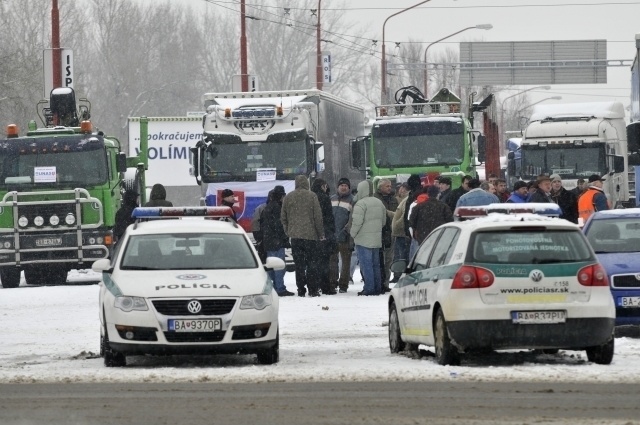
{"x": 184, "y": 281}
{"x": 519, "y": 280}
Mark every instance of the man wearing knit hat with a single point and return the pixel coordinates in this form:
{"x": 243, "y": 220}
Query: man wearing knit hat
{"x": 341, "y": 205}
{"x": 565, "y": 199}
{"x": 520, "y": 193}
{"x": 228, "y": 199}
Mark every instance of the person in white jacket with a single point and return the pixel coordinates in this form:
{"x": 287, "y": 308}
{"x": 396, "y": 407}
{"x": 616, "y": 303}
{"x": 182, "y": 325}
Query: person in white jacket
{"x": 369, "y": 217}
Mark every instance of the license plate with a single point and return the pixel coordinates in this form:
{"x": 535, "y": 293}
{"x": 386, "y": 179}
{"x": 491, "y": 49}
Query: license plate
{"x": 538, "y": 317}
{"x": 194, "y": 325}
{"x": 628, "y": 301}
{"x": 49, "y": 242}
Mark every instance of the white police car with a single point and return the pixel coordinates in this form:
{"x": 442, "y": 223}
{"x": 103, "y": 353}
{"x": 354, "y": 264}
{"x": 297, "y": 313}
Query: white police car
{"x": 504, "y": 281}
{"x": 181, "y": 281}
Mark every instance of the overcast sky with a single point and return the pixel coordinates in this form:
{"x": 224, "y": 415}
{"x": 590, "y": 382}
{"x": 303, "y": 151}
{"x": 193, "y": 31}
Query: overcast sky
{"x": 512, "y": 20}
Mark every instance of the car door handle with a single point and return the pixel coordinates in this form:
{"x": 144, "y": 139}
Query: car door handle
{"x": 435, "y": 278}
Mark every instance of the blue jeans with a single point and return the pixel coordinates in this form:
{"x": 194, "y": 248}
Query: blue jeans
{"x": 277, "y": 276}
{"x": 401, "y": 249}
{"x": 369, "y": 259}
{"x": 413, "y": 248}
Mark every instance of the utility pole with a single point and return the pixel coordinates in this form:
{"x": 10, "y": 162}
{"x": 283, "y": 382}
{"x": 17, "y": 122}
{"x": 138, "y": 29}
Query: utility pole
{"x": 244, "y": 77}
{"x": 55, "y": 45}
{"x": 318, "y": 53}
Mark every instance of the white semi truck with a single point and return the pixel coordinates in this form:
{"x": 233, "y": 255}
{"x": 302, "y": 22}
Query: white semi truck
{"x": 254, "y": 141}
{"x": 576, "y": 140}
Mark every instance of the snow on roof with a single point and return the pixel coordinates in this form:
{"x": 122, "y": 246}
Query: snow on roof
{"x": 393, "y": 120}
{"x": 621, "y": 212}
{"x": 586, "y": 109}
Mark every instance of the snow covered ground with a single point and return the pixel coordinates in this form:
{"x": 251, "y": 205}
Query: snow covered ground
{"x": 51, "y": 334}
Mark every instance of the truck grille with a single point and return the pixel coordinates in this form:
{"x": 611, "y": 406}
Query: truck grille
{"x": 216, "y": 307}
{"x": 46, "y": 211}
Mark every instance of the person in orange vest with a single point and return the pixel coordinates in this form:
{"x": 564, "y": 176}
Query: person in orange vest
{"x": 593, "y": 199}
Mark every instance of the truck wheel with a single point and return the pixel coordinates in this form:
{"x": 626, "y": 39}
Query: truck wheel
{"x": 602, "y": 354}
{"x": 270, "y": 355}
{"x": 396, "y": 344}
{"x": 10, "y": 277}
{"x": 446, "y": 352}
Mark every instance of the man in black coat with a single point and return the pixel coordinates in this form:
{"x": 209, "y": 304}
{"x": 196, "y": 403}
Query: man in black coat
{"x": 428, "y": 215}
{"x": 274, "y": 239}
{"x": 328, "y": 245}
{"x": 566, "y": 200}
{"x": 452, "y": 199}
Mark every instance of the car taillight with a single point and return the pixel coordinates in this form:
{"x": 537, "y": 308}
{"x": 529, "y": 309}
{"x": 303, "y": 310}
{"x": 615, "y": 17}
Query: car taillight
{"x": 593, "y": 275}
{"x": 469, "y": 277}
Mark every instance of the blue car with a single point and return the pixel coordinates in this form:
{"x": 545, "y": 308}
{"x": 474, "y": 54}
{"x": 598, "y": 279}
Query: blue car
{"x": 615, "y": 238}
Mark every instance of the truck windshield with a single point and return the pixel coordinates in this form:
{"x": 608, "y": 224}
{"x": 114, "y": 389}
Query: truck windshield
{"x": 570, "y": 162}
{"x": 229, "y": 158}
{"x": 415, "y": 142}
{"x": 60, "y": 162}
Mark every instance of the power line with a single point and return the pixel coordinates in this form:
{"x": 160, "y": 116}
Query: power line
{"x": 513, "y": 6}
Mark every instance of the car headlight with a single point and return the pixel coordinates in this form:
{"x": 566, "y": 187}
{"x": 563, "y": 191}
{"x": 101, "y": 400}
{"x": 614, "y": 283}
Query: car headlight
{"x": 256, "y": 302}
{"x": 130, "y": 303}
{"x": 23, "y": 221}
{"x": 38, "y": 221}
{"x": 54, "y": 220}
{"x": 7, "y": 245}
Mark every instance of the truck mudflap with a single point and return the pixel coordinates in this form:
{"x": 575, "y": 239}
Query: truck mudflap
{"x": 52, "y": 230}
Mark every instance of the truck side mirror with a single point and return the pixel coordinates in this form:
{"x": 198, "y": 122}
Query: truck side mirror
{"x": 196, "y": 163}
{"x": 511, "y": 164}
{"x": 482, "y": 148}
{"x": 319, "y": 158}
{"x": 121, "y": 162}
{"x": 359, "y": 152}
{"x": 633, "y": 137}
{"x": 618, "y": 164}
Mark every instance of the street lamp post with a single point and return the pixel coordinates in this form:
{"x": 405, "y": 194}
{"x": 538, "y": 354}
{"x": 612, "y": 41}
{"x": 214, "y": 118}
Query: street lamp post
{"x": 540, "y": 101}
{"x": 383, "y": 95}
{"x": 535, "y": 103}
{"x": 426, "y": 64}
{"x": 509, "y": 97}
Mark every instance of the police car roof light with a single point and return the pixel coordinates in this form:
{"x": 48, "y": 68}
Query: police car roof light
{"x": 165, "y": 212}
{"x": 545, "y": 209}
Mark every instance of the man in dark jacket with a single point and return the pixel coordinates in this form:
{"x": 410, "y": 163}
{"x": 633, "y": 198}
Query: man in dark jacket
{"x": 123, "y": 215}
{"x": 274, "y": 240}
{"x": 301, "y": 218}
{"x": 228, "y": 199}
{"x": 565, "y": 199}
{"x": 415, "y": 186}
{"x": 428, "y": 215}
{"x": 543, "y": 193}
{"x": 444, "y": 184}
{"x": 386, "y": 195}
{"x": 328, "y": 245}
{"x": 341, "y": 205}
{"x": 158, "y": 197}
{"x": 455, "y": 194}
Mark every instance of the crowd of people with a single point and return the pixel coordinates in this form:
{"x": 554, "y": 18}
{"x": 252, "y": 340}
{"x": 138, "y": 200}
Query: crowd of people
{"x": 374, "y": 226}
